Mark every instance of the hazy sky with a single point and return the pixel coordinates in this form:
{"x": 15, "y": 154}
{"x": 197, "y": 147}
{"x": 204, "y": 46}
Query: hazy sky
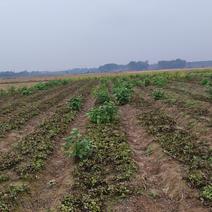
{"x": 61, "y": 34}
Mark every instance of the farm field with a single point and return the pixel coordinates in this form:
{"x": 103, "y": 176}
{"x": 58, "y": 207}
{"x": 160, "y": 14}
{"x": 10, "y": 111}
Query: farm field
{"x": 122, "y": 142}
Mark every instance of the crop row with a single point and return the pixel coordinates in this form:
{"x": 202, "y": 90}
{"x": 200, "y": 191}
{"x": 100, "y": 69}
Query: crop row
{"x": 184, "y": 103}
{"x": 180, "y": 144}
{"x": 104, "y": 166}
{"x": 29, "y": 154}
{"x": 18, "y": 102}
{"x": 195, "y": 96}
{"x": 20, "y": 117}
{"x": 12, "y": 90}
{"x": 40, "y": 138}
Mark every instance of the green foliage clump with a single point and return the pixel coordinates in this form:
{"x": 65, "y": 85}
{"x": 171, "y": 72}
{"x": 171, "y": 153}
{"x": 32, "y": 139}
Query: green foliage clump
{"x": 182, "y": 145}
{"x": 10, "y": 196}
{"x": 76, "y": 146}
{"x": 49, "y": 84}
{"x": 204, "y": 82}
{"x": 3, "y": 178}
{"x": 105, "y": 174}
{"x": 38, "y": 86}
{"x": 160, "y": 81}
{"x": 158, "y": 94}
{"x": 25, "y": 91}
{"x": 81, "y": 202}
{"x": 122, "y": 92}
{"x": 207, "y": 193}
{"x": 196, "y": 178}
{"x": 102, "y": 94}
{"x": 75, "y": 103}
{"x": 3, "y": 92}
{"x": 102, "y": 114}
{"x": 146, "y": 82}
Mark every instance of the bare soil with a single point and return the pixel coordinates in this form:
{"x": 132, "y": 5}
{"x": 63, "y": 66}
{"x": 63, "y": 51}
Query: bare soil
{"x": 16, "y": 135}
{"x": 161, "y": 176}
{"x": 56, "y": 180}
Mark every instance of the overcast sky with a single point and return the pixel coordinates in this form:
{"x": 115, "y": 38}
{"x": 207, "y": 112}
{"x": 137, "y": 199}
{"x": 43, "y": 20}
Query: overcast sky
{"x": 62, "y": 34}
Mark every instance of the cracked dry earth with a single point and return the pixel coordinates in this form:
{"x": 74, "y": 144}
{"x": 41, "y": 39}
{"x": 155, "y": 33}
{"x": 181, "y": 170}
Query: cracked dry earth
{"x": 160, "y": 175}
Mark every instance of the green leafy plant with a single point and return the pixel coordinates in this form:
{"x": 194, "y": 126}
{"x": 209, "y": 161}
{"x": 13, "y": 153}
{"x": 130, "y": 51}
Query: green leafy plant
{"x": 41, "y": 86}
{"x": 160, "y": 81}
{"x": 105, "y": 113}
{"x": 75, "y": 103}
{"x": 25, "y": 91}
{"x": 10, "y": 196}
{"x": 3, "y": 92}
{"x": 204, "y": 82}
{"x": 207, "y": 192}
{"x": 102, "y": 96}
{"x": 3, "y": 178}
{"x": 158, "y": 94}
{"x": 122, "y": 94}
{"x": 196, "y": 178}
{"x": 146, "y": 82}
{"x": 76, "y": 146}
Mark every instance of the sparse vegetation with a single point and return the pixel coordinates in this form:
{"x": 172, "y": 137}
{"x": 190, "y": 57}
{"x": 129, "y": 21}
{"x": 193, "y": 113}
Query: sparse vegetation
{"x": 100, "y": 157}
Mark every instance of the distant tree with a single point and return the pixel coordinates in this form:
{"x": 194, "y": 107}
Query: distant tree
{"x": 109, "y": 67}
{"x": 138, "y": 65}
{"x": 169, "y": 64}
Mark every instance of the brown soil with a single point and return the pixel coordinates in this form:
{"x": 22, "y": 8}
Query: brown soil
{"x": 16, "y": 135}
{"x": 56, "y": 180}
{"x": 21, "y": 100}
{"x": 27, "y": 103}
{"x": 159, "y": 174}
{"x": 201, "y": 127}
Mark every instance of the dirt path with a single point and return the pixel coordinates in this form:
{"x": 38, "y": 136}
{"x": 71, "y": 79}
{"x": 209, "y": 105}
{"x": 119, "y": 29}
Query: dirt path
{"x": 56, "y": 180}
{"x": 161, "y": 175}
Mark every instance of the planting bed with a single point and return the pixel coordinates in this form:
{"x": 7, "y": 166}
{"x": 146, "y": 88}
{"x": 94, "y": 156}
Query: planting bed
{"x": 133, "y": 142}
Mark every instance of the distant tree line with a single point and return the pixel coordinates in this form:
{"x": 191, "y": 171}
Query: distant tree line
{"x": 112, "y": 67}
{"x": 169, "y": 64}
{"x": 131, "y": 66}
